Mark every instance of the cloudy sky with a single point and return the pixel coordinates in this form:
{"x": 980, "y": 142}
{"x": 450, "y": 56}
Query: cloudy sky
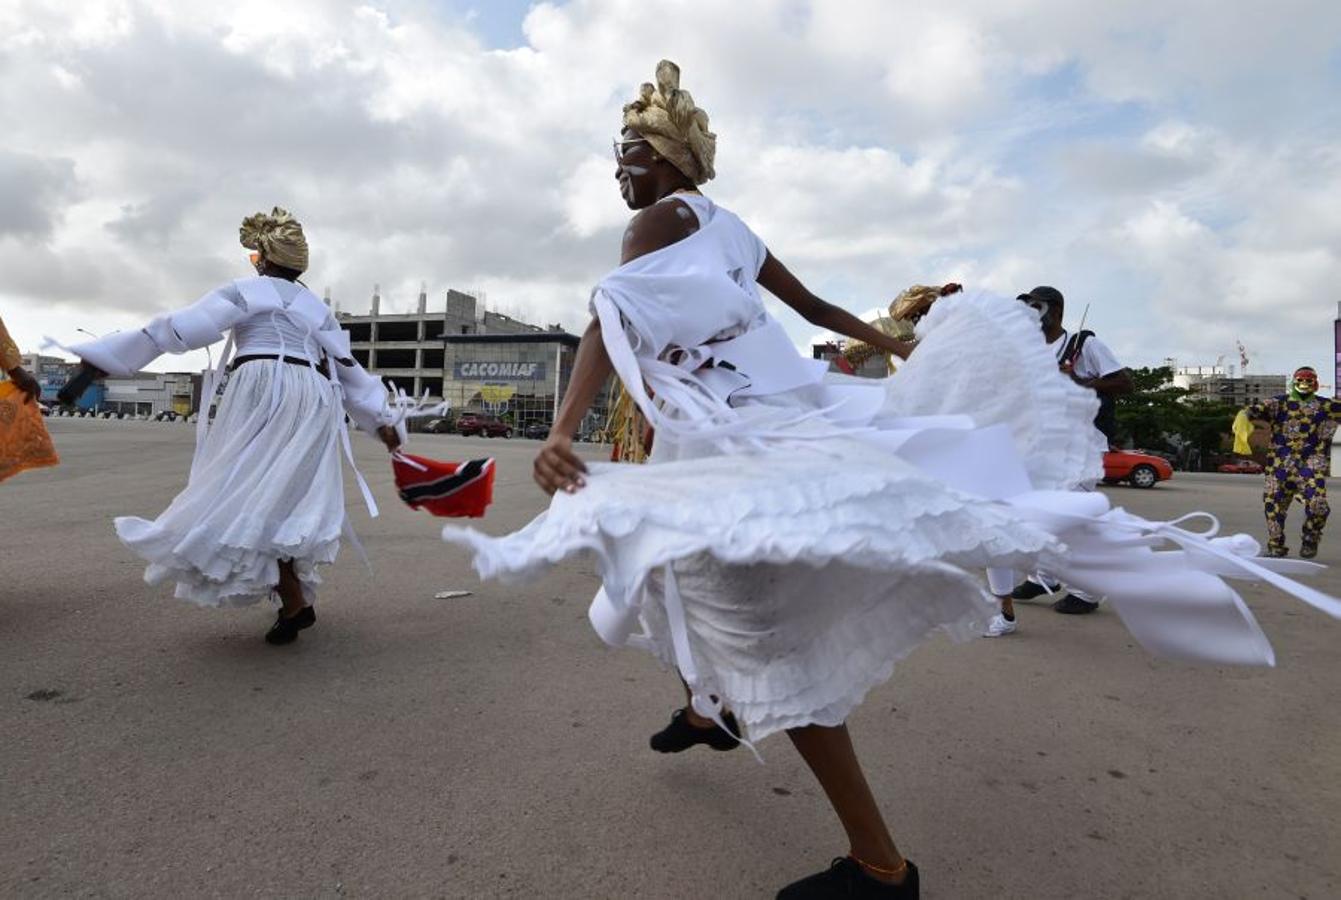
{"x": 1175, "y": 165}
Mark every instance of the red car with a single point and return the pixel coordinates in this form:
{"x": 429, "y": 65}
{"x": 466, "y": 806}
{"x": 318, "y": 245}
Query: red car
{"x": 489, "y": 426}
{"x": 1241, "y": 467}
{"x": 1140, "y": 469}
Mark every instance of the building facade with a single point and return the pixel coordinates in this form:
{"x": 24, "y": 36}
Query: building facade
{"x": 151, "y": 393}
{"x": 1238, "y": 391}
{"x": 407, "y": 348}
{"x": 520, "y": 378}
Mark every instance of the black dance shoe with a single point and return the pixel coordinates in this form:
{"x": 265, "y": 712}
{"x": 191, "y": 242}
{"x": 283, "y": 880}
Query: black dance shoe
{"x": 1031, "y": 590}
{"x": 1308, "y": 549}
{"x": 680, "y": 734}
{"x": 846, "y": 878}
{"x": 1071, "y": 605}
{"x": 285, "y": 630}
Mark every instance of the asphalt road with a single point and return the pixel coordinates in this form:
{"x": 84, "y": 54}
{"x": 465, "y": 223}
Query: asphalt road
{"x": 490, "y": 746}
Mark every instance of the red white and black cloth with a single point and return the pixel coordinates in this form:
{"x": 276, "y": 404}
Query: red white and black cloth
{"x": 451, "y": 489}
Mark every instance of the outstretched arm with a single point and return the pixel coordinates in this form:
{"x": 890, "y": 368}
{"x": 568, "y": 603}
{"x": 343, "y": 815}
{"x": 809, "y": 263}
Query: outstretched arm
{"x": 781, "y": 283}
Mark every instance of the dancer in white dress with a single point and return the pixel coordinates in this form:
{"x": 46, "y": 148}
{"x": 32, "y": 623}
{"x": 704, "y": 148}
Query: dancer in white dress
{"x": 264, "y": 505}
{"x": 795, "y": 532}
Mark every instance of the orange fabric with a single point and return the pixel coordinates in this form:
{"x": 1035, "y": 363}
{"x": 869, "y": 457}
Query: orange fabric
{"x": 24, "y": 442}
{"x": 9, "y": 351}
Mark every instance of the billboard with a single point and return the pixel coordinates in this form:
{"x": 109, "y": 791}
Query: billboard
{"x": 480, "y": 370}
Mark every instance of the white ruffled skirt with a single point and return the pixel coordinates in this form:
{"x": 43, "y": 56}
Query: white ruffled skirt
{"x": 787, "y": 577}
{"x": 266, "y": 487}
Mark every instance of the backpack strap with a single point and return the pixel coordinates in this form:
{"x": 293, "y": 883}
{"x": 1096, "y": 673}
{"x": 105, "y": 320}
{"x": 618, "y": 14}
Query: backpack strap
{"x": 1074, "y": 344}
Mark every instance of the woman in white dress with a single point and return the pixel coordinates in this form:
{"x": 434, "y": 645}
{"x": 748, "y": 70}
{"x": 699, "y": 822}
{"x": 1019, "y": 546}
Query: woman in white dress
{"x": 264, "y": 505}
{"x": 795, "y": 533}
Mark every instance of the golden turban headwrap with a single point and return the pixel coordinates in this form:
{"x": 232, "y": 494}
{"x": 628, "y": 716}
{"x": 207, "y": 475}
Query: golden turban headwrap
{"x": 673, "y": 125}
{"x": 909, "y": 307}
{"x": 278, "y": 237}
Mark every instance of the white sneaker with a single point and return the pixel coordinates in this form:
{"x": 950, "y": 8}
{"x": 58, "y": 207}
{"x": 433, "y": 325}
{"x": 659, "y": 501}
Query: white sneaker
{"x": 999, "y": 626}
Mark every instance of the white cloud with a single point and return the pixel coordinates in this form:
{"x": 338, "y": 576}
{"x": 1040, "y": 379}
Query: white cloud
{"x": 1165, "y": 163}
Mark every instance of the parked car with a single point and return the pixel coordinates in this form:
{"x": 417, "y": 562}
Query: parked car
{"x": 536, "y": 431}
{"x": 1138, "y": 468}
{"x": 438, "y": 426}
{"x": 488, "y": 426}
{"x": 1240, "y": 467}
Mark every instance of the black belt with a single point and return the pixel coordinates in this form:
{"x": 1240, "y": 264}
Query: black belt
{"x": 291, "y": 360}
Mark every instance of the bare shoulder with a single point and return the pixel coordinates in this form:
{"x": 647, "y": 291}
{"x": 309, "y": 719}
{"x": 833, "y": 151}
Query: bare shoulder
{"x": 657, "y": 226}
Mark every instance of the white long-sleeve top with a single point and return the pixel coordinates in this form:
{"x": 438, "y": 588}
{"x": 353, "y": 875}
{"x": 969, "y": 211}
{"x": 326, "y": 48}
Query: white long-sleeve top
{"x": 266, "y": 316}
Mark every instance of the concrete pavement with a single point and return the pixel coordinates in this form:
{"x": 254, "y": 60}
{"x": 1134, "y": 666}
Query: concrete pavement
{"x": 490, "y": 746}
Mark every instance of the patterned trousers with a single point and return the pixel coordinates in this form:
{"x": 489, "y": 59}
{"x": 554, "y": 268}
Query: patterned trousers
{"x": 1283, "y": 487}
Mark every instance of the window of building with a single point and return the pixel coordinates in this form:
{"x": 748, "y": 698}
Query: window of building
{"x": 394, "y": 359}
{"x": 433, "y": 359}
{"x": 398, "y": 331}
{"x": 359, "y": 332}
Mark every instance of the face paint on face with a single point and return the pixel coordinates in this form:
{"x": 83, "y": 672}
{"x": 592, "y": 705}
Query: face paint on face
{"x": 625, "y": 186}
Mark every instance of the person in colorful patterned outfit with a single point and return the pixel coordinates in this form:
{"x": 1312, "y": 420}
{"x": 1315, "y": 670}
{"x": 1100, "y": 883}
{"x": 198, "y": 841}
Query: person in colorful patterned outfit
{"x": 1298, "y": 460}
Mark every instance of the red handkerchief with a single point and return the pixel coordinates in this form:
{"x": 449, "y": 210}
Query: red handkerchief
{"x": 444, "y": 488}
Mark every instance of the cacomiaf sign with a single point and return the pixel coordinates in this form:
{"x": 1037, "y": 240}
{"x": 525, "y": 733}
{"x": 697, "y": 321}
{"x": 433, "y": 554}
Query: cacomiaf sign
{"x": 499, "y": 371}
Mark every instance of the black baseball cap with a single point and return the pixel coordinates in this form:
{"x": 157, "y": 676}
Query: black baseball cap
{"x": 1044, "y": 294}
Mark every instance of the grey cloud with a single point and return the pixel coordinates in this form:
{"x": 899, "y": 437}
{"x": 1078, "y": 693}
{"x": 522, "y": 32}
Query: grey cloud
{"x": 156, "y": 221}
{"x": 33, "y": 193}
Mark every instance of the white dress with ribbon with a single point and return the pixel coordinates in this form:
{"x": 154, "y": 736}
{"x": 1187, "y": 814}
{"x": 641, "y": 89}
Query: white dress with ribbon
{"x": 265, "y": 482}
{"x": 796, "y": 532}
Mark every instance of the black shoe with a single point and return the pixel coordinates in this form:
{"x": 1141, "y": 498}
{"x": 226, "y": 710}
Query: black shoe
{"x": 1276, "y": 551}
{"x": 846, "y": 878}
{"x": 1072, "y": 605}
{"x": 1308, "y": 549}
{"x": 681, "y": 735}
{"x": 285, "y": 630}
{"x": 1031, "y": 590}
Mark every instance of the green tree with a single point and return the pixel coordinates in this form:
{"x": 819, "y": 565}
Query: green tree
{"x": 1158, "y": 415}
{"x": 1152, "y": 412}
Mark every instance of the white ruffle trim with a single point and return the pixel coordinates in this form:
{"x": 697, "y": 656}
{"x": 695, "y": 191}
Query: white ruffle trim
{"x": 958, "y": 368}
{"x": 220, "y": 574}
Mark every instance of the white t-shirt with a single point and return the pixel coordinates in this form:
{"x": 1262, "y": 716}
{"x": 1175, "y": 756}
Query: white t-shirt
{"x": 1095, "y": 359}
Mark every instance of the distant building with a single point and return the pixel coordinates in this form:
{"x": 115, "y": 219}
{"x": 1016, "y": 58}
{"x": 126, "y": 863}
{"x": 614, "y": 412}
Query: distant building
{"x": 1213, "y": 383}
{"x": 407, "y": 348}
{"x": 150, "y": 393}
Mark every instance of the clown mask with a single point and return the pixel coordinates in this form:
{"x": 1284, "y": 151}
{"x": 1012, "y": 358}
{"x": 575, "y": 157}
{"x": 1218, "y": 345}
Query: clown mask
{"x": 1304, "y": 384}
